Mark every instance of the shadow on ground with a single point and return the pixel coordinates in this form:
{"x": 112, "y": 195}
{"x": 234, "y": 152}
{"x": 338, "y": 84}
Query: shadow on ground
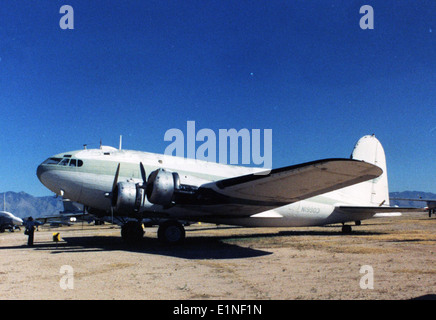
{"x": 194, "y": 247}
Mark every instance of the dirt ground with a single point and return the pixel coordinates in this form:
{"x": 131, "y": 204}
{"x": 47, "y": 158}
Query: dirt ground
{"x": 387, "y": 258}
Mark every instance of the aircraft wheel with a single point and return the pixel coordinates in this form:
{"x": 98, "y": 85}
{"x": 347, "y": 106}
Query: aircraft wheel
{"x": 132, "y": 231}
{"x": 171, "y": 232}
{"x": 346, "y": 229}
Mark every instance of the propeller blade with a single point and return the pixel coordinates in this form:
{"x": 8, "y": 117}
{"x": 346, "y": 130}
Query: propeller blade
{"x": 111, "y": 195}
{"x": 116, "y": 178}
{"x": 144, "y": 178}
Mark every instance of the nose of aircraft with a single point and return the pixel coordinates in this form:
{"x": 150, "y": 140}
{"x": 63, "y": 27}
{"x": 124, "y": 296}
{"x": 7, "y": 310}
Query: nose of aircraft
{"x": 47, "y": 177}
{"x": 43, "y": 175}
{"x": 39, "y": 172}
{"x": 18, "y": 220}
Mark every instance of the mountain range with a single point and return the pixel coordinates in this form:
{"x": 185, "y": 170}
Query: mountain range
{"x": 411, "y": 195}
{"x": 24, "y": 205}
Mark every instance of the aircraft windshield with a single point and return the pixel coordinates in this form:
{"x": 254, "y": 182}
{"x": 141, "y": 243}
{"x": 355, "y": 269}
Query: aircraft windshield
{"x": 52, "y": 161}
{"x": 64, "y": 162}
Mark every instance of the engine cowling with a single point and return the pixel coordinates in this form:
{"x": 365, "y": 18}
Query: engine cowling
{"x": 127, "y": 198}
{"x": 161, "y": 186}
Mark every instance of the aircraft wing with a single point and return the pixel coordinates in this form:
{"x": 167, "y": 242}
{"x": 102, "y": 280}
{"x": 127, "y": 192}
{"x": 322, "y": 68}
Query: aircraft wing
{"x": 253, "y": 193}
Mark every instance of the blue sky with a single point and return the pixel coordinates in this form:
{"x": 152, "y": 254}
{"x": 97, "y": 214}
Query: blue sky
{"x": 304, "y": 69}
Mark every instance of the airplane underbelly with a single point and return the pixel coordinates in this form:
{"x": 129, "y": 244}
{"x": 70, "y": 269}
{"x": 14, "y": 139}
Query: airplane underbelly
{"x": 301, "y": 214}
{"x": 298, "y": 214}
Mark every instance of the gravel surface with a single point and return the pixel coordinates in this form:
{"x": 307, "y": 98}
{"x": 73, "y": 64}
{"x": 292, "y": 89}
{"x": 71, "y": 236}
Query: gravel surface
{"x": 386, "y": 258}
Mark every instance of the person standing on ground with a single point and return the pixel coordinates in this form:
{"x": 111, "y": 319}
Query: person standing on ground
{"x": 30, "y": 230}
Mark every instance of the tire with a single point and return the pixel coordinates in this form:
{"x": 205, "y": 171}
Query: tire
{"x": 171, "y": 232}
{"x": 346, "y": 229}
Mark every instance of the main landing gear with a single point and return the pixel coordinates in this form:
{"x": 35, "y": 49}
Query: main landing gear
{"x": 169, "y": 232}
{"x": 346, "y": 229}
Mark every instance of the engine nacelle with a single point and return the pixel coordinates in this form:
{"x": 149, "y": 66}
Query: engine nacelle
{"x": 161, "y": 186}
{"x": 127, "y": 198}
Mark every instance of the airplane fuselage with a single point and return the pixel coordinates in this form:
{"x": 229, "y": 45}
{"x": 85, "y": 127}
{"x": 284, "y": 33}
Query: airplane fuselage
{"x": 86, "y": 176}
{"x": 8, "y": 220}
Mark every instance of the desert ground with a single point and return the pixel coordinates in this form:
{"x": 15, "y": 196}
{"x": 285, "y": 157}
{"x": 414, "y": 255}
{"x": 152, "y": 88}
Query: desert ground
{"x": 387, "y": 258}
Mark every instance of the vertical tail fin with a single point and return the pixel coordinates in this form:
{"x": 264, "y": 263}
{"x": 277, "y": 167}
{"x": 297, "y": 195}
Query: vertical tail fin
{"x": 373, "y": 192}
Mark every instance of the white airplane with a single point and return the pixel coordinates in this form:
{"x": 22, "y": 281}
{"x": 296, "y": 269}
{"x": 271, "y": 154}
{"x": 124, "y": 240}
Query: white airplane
{"x": 112, "y": 184}
{"x": 7, "y": 219}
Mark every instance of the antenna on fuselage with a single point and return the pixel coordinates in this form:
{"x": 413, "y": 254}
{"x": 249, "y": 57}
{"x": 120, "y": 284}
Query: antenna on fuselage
{"x": 121, "y": 142}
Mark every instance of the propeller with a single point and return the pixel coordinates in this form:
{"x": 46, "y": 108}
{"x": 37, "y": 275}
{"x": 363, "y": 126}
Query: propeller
{"x": 144, "y": 181}
{"x": 111, "y": 194}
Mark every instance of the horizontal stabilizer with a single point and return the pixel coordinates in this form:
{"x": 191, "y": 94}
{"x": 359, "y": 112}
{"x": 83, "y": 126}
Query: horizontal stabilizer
{"x": 379, "y": 210}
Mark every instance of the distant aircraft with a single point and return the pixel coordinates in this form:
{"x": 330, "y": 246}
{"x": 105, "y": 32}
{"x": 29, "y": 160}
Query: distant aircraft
{"x": 71, "y": 213}
{"x": 8, "y": 220}
{"x": 431, "y": 204}
{"x": 112, "y": 184}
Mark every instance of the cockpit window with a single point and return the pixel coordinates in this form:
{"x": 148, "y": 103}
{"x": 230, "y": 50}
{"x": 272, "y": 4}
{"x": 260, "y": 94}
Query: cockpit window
{"x": 52, "y": 161}
{"x": 64, "y": 162}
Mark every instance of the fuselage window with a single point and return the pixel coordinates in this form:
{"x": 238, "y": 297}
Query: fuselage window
{"x": 73, "y": 163}
{"x": 79, "y": 163}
